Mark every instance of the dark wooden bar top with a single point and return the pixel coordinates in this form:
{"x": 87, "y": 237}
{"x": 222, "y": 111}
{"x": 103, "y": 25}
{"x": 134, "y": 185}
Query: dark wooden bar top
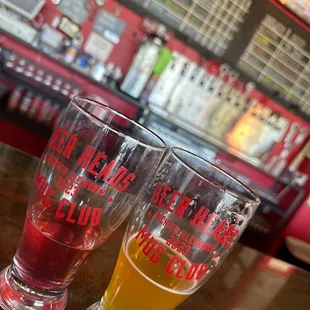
{"x": 247, "y": 280}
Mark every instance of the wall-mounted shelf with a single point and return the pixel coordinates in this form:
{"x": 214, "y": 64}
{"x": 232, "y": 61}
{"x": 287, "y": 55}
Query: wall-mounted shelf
{"x": 38, "y": 89}
{"x": 108, "y": 87}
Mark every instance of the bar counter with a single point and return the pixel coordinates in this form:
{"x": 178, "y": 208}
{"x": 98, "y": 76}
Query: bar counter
{"x": 247, "y": 280}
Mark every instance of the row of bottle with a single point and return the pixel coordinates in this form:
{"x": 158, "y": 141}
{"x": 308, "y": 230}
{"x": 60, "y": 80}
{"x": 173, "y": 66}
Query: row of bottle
{"x": 216, "y": 102}
{"x": 257, "y": 130}
{"x": 35, "y": 107}
{"x": 38, "y": 74}
{"x": 106, "y": 73}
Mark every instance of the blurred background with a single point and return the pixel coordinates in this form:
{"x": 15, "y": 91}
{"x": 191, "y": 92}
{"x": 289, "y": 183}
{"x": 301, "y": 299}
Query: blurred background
{"x": 227, "y": 80}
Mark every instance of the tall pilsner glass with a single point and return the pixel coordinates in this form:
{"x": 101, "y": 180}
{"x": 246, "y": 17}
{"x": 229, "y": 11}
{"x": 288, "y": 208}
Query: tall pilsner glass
{"x": 188, "y": 218}
{"x": 88, "y": 180}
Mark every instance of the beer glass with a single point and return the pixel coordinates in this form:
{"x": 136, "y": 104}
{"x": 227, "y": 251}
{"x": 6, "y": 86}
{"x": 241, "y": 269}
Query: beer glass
{"x": 88, "y": 180}
{"x": 187, "y": 219}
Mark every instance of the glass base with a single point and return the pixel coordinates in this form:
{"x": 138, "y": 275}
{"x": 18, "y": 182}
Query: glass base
{"x": 94, "y": 306}
{"x": 16, "y": 295}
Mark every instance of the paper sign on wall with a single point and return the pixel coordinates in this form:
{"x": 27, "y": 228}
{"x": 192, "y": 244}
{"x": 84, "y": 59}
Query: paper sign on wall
{"x": 109, "y": 26}
{"x": 75, "y": 9}
{"x": 98, "y": 47}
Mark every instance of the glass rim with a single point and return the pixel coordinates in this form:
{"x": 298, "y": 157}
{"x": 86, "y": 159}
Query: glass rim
{"x": 255, "y": 197}
{"x": 161, "y": 143}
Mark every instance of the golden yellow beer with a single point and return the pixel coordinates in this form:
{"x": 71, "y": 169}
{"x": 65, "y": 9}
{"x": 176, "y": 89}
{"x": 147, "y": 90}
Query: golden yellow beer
{"x": 139, "y": 284}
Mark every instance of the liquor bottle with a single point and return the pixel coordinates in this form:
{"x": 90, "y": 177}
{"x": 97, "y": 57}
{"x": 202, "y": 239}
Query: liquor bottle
{"x": 247, "y": 131}
{"x": 176, "y": 96}
{"x": 29, "y": 72}
{"x": 215, "y": 94}
{"x": 187, "y": 110}
{"x": 115, "y": 77}
{"x": 26, "y": 102}
{"x": 219, "y": 118}
{"x": 44, "y": 111}
{"x": 168, "y": 80}
{"x": 15, "y": 98}
{"x": 71, "y": 53}
{"x": 11, "y": 61}
{"x": 21, "y": 65}
{"x": 108, "y": 73}
{"x": 265, "y": 128}
{"x": 66, "y": 89}
{"x": 199, "y": 99}
{"x": 49, "y": 113}
{"x": 56, "y": 112}
{"x": 162, "y": 63}
{"x": 99, "y": 71}
{"x": 232, "y": 111}
{"x": 48, "y": 79}
{"x": 39, "y": 75}
{"x": 273, "y": 134}
{"x": 35, "y": 107}
{"x": 57, "y": 85}
{"x": 142, "y": 67}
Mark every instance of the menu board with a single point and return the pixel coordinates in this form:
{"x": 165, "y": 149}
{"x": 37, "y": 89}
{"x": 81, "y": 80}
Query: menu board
{"x": 213, "y": 24}
{"x": 279, "y": 59}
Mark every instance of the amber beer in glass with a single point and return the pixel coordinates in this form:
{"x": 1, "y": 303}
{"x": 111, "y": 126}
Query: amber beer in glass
{"x": 88, "y": 180}
{"x": 188, "y": 218}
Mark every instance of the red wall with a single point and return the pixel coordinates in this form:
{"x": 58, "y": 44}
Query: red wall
{"x": 121, "y": 54}
{"x": 298, "y": 226}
